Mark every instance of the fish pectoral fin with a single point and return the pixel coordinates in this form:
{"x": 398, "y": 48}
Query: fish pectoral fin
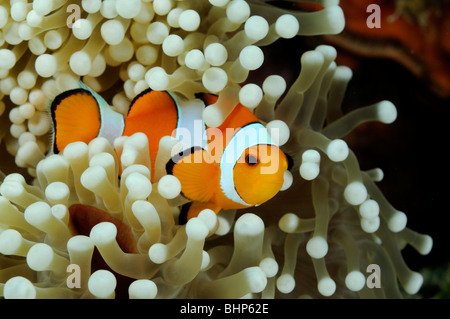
{"x": 197, "y": 174}
{"x": 197, "y": 207}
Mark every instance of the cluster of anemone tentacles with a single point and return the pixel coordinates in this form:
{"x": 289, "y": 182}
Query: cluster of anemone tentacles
{"x": 121, "y": 234}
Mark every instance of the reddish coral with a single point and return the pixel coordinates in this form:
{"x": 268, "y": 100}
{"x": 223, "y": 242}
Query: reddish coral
{"x": 83, "y": 218}
{"x": 418, "y": 37}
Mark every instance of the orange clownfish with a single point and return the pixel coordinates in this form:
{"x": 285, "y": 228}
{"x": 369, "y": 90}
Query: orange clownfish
{"x": 233, "y": 166}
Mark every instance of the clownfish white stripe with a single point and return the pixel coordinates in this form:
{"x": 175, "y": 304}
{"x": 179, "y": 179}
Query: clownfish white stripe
{"x": 250, "y": 135}
{"x": 190, "y": 131}
{"x": 112, "y": 123}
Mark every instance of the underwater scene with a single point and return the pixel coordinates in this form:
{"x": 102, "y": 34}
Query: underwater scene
{"x": 224, "y": 149}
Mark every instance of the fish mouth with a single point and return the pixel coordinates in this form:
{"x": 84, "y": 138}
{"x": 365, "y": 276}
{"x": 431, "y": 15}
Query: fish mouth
{"x": 270, "y": 189}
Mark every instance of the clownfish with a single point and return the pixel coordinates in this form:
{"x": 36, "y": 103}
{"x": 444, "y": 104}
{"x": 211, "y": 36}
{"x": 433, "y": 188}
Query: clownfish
{"x": 233, "y": 166}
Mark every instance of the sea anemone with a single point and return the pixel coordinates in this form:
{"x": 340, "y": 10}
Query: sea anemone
{"x": 88, "y": 223}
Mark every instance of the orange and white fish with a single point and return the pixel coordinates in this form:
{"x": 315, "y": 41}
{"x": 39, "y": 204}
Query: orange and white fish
{"x": 233, "y": 166}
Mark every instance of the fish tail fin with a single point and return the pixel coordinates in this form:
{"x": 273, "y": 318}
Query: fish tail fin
{"x": 75, "y": 116}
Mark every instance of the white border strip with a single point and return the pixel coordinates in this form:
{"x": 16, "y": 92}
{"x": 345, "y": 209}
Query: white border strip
{"x": 191, "y": 130}
{"x": 112, "y": 123}
{"x": 248, "y": 136}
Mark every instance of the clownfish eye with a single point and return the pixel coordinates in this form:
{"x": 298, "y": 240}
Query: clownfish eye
{"x": 251, "y": 159}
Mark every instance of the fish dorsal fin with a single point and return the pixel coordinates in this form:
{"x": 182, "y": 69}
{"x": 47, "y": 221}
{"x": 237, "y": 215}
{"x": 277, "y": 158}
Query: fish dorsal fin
{"x": 198, "y": 175}
{"x": 150, "y": 102}
{"x": 153, "y": 113}
{"x": 76, "y": 117}
{"x": 207, "y": 98}
{"x": 239, "y": 117}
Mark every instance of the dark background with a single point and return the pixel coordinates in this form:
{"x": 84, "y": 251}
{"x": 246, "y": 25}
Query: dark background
{"x": 412, "y": 151}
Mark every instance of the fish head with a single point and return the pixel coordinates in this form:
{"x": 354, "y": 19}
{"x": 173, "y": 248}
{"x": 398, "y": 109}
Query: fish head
{"x": 259, "y": 173}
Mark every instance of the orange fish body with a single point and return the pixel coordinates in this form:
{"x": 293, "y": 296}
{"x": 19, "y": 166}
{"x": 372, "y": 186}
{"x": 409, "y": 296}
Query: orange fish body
{"x": 233, "y": 166}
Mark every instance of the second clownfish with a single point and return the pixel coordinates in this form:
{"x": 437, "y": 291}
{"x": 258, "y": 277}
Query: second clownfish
{"x": 233, "y": 166}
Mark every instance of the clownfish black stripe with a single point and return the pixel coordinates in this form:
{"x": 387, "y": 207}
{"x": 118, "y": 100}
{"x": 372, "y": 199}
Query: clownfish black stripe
{"x": 178, "y": 157}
